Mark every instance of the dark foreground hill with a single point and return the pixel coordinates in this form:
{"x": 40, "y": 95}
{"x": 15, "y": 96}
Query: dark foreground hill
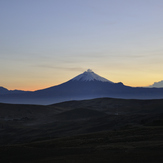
{"x": 98, "y": 130}
{"x": 131, "y": 145}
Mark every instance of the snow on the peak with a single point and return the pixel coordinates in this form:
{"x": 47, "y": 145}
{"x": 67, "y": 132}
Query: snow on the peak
{"x": 89, "y": 75}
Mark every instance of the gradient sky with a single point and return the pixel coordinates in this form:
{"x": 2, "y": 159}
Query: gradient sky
{"x": 47, "y": 42}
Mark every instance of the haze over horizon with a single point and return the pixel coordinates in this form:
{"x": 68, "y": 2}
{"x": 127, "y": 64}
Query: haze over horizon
{"x": 45, "y": 43}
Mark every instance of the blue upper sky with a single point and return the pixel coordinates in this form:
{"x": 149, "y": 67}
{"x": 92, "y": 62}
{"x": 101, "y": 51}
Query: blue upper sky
{"x": 47, "y": 42}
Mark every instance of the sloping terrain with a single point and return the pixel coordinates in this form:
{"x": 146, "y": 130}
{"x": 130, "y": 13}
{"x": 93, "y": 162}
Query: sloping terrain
{"x": 82, "y": 131}
{"x": 24, "y": 123}
{"x": 129, "y": 145}
{"x": 87, "y": 85}
{"x": 116, "y": 106}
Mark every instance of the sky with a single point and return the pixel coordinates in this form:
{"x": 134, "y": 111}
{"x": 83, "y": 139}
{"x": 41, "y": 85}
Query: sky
{"x": 47, "y": 42}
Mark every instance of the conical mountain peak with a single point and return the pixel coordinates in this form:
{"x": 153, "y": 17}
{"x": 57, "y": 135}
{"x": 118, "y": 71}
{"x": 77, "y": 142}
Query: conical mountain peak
{"x": 89, "y": 75}
{"x": 89, "y": 70}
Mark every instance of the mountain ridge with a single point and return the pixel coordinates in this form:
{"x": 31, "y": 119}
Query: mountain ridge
{"x": 87, "y": 85}
{"x": 4, "y": 90}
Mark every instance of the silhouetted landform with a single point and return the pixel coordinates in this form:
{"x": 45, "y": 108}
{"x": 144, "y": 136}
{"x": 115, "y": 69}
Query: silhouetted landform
{"x": 5, "y": 91}
{"x": 23, "y": 123}
{"x": 96, "y": 130}
{"x": 85, "y": 86}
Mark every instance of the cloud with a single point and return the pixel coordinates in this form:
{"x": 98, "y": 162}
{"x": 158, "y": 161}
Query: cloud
{"x": 157, "y": 84}
{"x": 105, "y": 55}
{"x": 61, "y": 68}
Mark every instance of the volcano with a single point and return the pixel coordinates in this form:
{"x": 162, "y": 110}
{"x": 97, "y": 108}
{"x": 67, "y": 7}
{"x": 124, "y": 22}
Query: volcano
{"x": 87, "y": 85}
{"x": 89, "y": 75}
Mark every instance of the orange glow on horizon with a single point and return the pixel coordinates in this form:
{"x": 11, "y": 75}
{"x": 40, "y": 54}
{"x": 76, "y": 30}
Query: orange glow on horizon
{"x": 44, "y": 86}
{"x": 127, "y": 78}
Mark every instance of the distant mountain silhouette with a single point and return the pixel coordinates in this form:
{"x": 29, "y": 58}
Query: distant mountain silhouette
{"x": 6, "y": 91}
{"x": 87, "y": 85}
{"x": 3, "y": 90}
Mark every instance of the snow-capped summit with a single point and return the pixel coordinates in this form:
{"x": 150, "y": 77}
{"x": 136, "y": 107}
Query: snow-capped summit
{"x": 89, "y": 75}
{"x": 87, "y": 85}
